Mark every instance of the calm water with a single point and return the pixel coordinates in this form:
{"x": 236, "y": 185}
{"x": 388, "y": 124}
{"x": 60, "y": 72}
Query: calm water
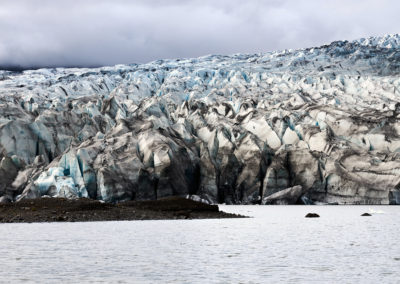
{"x": 278, "y": 244}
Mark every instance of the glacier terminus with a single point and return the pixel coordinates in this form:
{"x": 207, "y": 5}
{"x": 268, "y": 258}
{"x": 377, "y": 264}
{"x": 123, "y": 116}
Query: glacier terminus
{"x": 315, "y": 125}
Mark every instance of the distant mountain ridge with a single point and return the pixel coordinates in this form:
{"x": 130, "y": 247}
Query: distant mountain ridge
{"x": 386, "y": 41}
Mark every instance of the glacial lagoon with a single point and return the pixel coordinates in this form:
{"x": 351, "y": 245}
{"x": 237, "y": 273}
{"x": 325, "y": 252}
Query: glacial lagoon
{"x": 277, "y": 244}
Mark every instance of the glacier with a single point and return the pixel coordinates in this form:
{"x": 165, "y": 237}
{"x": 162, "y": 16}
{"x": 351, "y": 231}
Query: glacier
{"x": 314, "y": 125}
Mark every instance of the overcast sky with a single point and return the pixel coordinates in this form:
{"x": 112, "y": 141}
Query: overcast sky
{"x": 99, "y": 32}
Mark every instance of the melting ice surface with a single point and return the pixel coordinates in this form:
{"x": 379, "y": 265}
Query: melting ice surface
{"x": 278, "y": 244}
{"x": 231, "y": 129}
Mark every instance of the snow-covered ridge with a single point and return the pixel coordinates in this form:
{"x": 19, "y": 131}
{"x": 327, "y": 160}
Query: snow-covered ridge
{"x": 386, "y": 41}
{"x": 233, "y": 129}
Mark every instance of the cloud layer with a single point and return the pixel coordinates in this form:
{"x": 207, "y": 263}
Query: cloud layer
{"x": 99, "y": 32}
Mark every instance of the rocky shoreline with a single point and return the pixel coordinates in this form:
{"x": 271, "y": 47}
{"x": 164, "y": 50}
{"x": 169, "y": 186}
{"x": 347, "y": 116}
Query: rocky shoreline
{"x": 83, "y": 210}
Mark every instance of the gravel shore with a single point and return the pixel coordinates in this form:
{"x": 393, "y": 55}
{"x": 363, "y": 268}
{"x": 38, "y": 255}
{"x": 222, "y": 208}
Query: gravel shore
{"x": 83, "y": 210}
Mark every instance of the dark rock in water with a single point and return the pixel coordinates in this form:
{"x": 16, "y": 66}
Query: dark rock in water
{"x": 366, "y": 214}
{"x": 312, "y": 215}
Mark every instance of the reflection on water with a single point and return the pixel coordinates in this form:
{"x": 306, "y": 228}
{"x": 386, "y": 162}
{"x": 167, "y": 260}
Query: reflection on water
{"x": 278, "y": 244}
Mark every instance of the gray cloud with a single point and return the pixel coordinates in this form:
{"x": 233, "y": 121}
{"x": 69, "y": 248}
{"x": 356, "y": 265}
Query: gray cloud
{"x": 99, "y": 32}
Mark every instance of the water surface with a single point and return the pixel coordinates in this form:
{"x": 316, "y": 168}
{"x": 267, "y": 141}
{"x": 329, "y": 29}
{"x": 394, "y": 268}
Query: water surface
{"x": 278, "y": 244}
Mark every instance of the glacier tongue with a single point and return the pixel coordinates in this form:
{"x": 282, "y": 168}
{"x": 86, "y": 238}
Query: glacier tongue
{"x": 319, "y": 124}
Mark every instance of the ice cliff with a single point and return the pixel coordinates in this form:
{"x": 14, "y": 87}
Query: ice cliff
{"x": 312, "y": 125}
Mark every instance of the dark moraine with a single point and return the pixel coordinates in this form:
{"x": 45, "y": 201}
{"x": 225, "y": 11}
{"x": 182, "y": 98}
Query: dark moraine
{"x": 81, "y": 210}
